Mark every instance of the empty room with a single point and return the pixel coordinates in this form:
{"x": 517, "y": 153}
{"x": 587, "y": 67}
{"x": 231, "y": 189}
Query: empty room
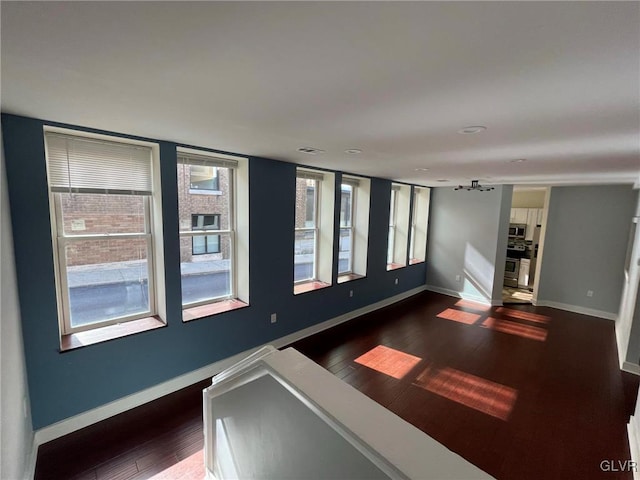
{"x": 427, "y": 209}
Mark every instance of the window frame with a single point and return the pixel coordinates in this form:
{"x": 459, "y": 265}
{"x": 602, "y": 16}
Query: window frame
{"x": 60, "y": 240}
{"x": 315, "y": 228}
{"x": 391, "y": 240}
{"x": 399, "y": 218}
{"x": 419, "y": 224}
{"x": 351, "y": 228}
{"x": 231, "y": 166}
{"x": 325, "y": 229}
{"x": 206, "y": 237}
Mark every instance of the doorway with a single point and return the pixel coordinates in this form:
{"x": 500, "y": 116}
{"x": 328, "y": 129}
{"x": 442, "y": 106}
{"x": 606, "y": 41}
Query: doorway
{"x": 525, "y": 227}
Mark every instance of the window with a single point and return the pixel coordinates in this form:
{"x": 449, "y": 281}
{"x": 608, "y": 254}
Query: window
{"x": 103, "y": 209}
{"x": 345, "y": 257}
{"x": 306, "y": 247}
{"x": 209, "y": 237}
{"x": 313, "y": 243}
{"x": 354, "y": 228}
{"x": 398, "y": 226}
{"x": 203, "y": 244}
{"x": 203, "y": 178}
{"x": 419, "y": 224}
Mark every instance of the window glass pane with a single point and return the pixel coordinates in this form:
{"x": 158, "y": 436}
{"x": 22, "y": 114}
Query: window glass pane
{"x": 304, "y": 256}
{"x": 84, "y": 214}
{"x": 209, "y": 243}
{"x": 414, "y": 213}
{"x": 199, "y": 246}
{"x": 213, "y": 243}
{"x": 345, "y": 255}
{"x": 306, "y": 193}
{"x": 203, "y": 178}
{"x": 205, "y": 276}
{"x": 107, "y": 279}
{"x": 202, "y": 208}
{"x": 346, "y": 201}
{"x": 392, "y": 232}
{"x": 204, "y": 204}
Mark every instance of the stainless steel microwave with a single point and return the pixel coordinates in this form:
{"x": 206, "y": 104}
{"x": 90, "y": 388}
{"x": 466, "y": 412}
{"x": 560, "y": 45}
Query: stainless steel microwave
{"x": 517, "y": 230}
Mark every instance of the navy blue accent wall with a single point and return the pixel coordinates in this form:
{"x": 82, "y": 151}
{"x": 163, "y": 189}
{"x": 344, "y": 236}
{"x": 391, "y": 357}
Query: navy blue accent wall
{"x": 65, "y": 384}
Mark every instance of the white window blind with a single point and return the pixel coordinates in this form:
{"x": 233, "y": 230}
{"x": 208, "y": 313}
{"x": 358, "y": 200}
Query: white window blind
{"x": 309, "y": 175}
{"x": 354, "y": 182}
{"x": 206, "y": 160}
{"x": 87, "y": 165}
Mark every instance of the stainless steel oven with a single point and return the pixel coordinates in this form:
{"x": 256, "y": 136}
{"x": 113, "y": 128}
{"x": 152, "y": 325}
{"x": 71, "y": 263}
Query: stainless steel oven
{"x": 511, "y": 271}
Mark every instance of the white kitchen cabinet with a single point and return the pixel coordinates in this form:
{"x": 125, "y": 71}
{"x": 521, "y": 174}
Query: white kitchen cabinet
{"x": 519, "y": 215}
{"x": 532, "y": 219}
{"x": 523, "y": 274}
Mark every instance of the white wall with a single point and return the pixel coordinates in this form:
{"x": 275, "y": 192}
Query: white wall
{"x": 15, "y": 422}
{"x": 628, "y": 324}
{"x": 467, "y": 237}
{"x": 587, "y": 231}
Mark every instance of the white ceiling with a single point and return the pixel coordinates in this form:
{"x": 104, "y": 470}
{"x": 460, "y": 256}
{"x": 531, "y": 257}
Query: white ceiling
{"x": 555, "y": 83}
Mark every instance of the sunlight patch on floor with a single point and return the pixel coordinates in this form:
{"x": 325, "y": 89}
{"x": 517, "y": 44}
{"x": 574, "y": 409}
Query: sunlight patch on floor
{"x": 475, "y": 392}
{"x": 459, "y": 316}
{"x": 389, "y": 361}
{"x": 513, "y": 328}
{"x": 483, "y": 307}
{"x": 521, "y": 315}
{"x": 191, "y": 468}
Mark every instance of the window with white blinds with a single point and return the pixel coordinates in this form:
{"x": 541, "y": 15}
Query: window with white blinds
{"x": 102, "y": 206}
{"x": 86, "y": 165}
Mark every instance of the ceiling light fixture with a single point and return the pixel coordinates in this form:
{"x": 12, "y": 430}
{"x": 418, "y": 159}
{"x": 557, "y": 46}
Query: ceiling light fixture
{"x": 442, "y": 180}
{"x": 353, "y": 151}
{"x": 421, "y": 169}
{"x": 472, "y": 129}
{"x": 475, "y": 185}
{"x": 518, "y": 160}
{"x": 310, "y": 150}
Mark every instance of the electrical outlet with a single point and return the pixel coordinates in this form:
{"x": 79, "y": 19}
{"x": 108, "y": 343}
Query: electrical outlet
{"x": 457, "y": 278}
{"x": 396, "y": 282}
{"x": 589, "y": 293}
{"x": 350, "y": 293}
{"x": 274, "y": 318}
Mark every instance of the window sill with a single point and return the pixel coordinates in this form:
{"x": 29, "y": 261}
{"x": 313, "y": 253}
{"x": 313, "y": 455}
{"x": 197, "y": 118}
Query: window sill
{"x": 349, "y": 276}
{"x": 415, "y": 261}
{"x": 394, "y": 266}
{"x": 309, "y": 287}
{"x": 196, "y": 191}
{"x": 201, "y": 311}
{"x": 110, "y": 332}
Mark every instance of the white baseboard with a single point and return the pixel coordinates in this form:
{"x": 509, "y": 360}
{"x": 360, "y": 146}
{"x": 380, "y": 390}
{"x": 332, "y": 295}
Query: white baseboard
{"x": 634, "y": 446}
{"x": 577, "y": 309}
{"x": 631, "y": 368}
{"x": 463, "y": 295}
{"x": 123, "y": 404}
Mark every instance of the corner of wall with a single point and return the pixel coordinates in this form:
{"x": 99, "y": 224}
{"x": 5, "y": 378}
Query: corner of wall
{"x": 17, "y": 452}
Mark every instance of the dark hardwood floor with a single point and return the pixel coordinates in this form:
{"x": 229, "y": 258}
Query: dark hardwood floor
{"x": 522, "y": 392}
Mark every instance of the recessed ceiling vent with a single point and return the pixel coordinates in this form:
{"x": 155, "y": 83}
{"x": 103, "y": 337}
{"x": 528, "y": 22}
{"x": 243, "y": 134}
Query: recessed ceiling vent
{"x": 475, "y": 185}
{"x": 310, "y": 150}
